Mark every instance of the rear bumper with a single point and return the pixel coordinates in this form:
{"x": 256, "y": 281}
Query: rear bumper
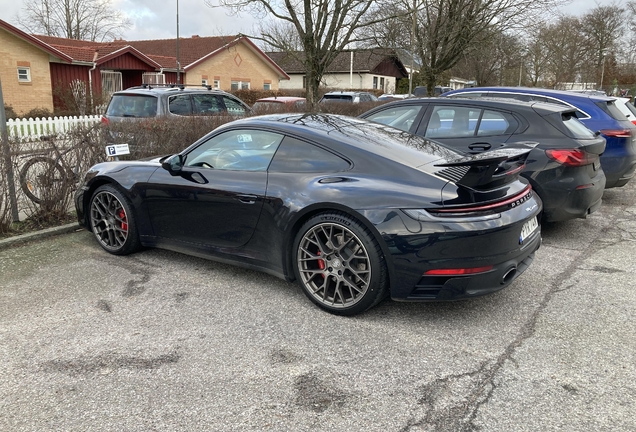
{"x": 431, "y": 246}
{"x": 618, "y": 162}
{"x": 435, "y": 288}
{"x": 570, "y": 197}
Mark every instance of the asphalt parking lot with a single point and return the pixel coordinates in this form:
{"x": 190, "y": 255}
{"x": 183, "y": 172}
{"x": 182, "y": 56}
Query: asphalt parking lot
{"x": 159, "y": 341}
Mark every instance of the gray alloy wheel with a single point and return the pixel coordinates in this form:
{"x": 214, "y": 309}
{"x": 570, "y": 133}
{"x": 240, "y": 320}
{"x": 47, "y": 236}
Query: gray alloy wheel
{"x": 112, "y": 222}
{"x": 335, "y": 263}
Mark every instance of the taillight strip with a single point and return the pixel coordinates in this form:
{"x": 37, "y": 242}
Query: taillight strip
{"x": 519, "y": 197}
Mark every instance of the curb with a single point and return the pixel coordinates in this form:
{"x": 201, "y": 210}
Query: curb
{"x": 38, "y": 235}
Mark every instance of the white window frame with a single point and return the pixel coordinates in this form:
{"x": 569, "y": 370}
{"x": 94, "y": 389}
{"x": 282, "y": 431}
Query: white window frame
{"x": 153, "y": 78}
{"x": 240, "y": 85}
{"x": 204, "y": 82}
{"x": 24, "y": 74}
{"x": 267, "y": 86}
{"x": 111, "y": 82}
{"x": 217, "y": 84}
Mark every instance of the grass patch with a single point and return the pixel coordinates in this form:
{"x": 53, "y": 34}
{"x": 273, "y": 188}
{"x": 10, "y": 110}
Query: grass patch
{"x": 37, "y": 223}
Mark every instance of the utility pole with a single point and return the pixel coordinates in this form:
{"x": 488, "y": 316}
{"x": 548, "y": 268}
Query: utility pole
{"x": 412, "y": 49}
{"x": 6, "y": 153}
{"x": 178, "y": 62}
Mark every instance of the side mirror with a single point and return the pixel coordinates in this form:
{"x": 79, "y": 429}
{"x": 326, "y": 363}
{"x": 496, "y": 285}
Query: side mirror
{"x": 173, "y": 164}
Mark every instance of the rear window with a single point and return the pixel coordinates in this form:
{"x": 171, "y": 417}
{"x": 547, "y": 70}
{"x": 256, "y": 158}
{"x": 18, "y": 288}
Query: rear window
{"x": 631, "y": 108}
{"x": 132, "y": 106}
{"x": 575, "y": 127}
{"x": 611, "y": 109}
{"x": 337, "y": 98}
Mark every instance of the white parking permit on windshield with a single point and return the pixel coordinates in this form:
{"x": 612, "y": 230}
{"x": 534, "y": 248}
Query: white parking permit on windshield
{"x": 243, "y": 138}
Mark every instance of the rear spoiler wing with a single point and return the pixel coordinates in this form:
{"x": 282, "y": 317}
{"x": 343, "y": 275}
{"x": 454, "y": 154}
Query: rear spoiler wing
{"x": 489, "y": 169}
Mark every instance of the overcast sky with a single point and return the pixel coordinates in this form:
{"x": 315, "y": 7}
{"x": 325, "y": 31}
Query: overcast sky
{"x": 154, "y": 19}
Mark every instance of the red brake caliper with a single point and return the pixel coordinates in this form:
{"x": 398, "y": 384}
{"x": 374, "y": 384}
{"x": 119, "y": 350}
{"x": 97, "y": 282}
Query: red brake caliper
{"x": 122, "y": 216}
{"x": 321, "y": 265}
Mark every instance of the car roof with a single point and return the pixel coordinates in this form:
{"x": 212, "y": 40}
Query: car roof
{"x": 154, "y": 91}
{"x": 562, "y": 94}
{"x": 346, "y": 93}
{"x": 281, "y": 99}
{"x": 494, "y": 102}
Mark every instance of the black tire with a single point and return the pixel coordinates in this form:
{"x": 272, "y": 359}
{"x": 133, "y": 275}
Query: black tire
{"x": 43, "y": 180}
{"x": 339, "y": 264}
{"x": 112, "y": 221}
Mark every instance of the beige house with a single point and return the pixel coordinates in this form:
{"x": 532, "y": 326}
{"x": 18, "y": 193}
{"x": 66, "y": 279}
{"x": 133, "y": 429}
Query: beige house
{"x": 38, "y": 71}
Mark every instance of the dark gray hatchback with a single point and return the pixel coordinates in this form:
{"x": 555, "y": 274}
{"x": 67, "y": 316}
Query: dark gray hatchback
{"x": 564, "y": 169}
{"x": 150, "y": 101}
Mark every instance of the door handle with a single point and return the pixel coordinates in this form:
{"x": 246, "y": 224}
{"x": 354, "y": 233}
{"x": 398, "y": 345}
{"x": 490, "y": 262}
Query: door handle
{"x": 246, "y": 198}
{"x": 480, "y": 146}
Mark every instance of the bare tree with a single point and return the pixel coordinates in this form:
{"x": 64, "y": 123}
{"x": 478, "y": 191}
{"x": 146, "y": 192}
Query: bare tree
{"x": 93, "y": 20}
{"x": 324, "y": 28}
{"x": 602, "y": 29}
{"x": 496, "y": 58}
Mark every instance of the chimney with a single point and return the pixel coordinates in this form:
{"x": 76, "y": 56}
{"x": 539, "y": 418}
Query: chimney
{"x": 195, "y": 36}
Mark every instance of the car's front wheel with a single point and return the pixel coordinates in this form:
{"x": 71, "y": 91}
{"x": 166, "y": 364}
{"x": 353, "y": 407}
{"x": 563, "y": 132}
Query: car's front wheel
{"x": 112, "y": 221}
{"x": 339, "y": 264}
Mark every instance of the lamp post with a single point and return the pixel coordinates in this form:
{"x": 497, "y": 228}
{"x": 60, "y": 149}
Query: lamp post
{"x": 602, "y": 71}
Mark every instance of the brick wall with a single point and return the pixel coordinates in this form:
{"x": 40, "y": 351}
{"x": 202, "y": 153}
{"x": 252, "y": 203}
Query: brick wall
{"x": 237, "y": 63}
{"x": 24, "y": 96}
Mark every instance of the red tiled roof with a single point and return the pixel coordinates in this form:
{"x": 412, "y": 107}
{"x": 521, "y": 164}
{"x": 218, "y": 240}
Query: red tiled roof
{"x": 160, "y": 53}
{"x": 190, "y": 49}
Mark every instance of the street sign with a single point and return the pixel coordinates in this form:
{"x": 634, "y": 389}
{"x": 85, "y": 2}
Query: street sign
{"x": 117, "y": 150}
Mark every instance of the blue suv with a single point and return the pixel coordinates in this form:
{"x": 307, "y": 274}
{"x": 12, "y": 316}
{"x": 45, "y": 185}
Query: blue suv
{"x": 598, "y": 113}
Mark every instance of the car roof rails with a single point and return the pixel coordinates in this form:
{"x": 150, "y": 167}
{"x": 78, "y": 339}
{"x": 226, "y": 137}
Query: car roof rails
{"x": 174, "y": 86}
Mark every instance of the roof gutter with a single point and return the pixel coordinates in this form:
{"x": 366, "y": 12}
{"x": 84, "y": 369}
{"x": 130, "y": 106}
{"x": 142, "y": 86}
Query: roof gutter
{"x": 90, "y": 77}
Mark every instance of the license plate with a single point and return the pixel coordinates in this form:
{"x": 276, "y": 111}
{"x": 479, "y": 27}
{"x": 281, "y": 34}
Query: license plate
{"x": 528, "y": 228}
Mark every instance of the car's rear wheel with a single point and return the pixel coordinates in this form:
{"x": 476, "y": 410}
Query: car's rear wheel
{"x": 112, "y": 221}
{"x": 339, "y": 264}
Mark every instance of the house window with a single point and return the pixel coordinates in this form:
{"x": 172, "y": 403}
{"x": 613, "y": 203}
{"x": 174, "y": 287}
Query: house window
{"x": 243, "y": 85}
{"x": 153, "y": 78}
{"x": 375, "y": 82}
{"x": 382, "y": 83}
{"x": 267, "y": 86}
{"x": 217, "y": 84}
{"x": 24, "y": 74}
{"x": 304, "y": 81}
{"x": 111, "y": 82}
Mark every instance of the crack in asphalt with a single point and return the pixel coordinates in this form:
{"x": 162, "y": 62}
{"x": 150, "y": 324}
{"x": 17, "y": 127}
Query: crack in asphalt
{"x": 460, "y": 417}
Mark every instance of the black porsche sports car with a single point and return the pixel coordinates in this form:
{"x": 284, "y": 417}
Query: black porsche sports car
{"x": 353, "y": 210}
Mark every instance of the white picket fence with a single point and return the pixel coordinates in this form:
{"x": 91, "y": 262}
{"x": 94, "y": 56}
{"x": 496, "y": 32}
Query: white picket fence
{"x": 26, "y": 129}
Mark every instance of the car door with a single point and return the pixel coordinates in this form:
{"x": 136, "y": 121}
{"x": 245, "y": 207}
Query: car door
{"x": 216, "y": 199}
{"x": 471, "y": 129}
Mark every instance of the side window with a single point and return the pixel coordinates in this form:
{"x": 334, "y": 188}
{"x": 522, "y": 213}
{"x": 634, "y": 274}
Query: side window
{"x": 452, "y": 122}
{"x": 401, "y": 117}
{"x": 206, "y": 104}
{"x": 296, "y": 156}
{"x": 237, "y": 150}
{"x": 233, "y": 107}
{"x": 493, "y": 123}
{"x": 180, "y": 105}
